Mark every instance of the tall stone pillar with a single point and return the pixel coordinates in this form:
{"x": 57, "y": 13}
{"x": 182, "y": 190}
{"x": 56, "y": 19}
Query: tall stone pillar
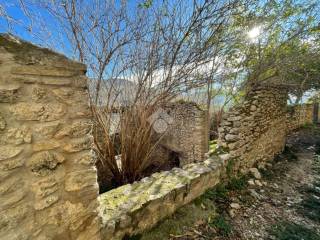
{"x": 48, "y": 185}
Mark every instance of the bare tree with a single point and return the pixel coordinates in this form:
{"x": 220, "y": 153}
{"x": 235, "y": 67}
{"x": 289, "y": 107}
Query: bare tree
{"x": 163, "y": 48}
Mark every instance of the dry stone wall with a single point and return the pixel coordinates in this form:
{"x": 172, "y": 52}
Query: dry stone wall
{"x": 134, "y": 208}
{"x": 186, "y": 132}
{"x": 299, "y": 115}
{"x": 48, "y": 186}
{"x": 48, "y": 179}
{"x": 255, "y": 131}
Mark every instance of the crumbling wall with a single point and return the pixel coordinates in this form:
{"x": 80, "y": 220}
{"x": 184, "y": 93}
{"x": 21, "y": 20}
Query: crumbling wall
{"x": 181, "y": 136}
{"x": 48, "y": 185}
{"x": 255, "y": 130}
{"x": 187, "y": 132}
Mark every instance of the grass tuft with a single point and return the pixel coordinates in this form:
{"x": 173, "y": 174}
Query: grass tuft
{"x": 221, "y": 225}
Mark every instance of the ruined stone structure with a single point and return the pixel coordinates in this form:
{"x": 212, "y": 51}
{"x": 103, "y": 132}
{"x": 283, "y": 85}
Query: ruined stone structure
{"x": 48, "y": 179}
{"x": 255, "y": 131}
{"x": 184, "y": 140}
{"x": 48, "y": 186}
{"x": 186, "y": 133}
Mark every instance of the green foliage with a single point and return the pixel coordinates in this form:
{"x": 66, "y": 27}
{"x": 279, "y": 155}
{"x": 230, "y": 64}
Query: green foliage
{"x": 237, "y": 183}
{"x": 214, "y": 149}
{"x": 222, "y": 226}
{"x": 230, "y": 167}
{"x": 146, "y": 4}
{"x": 220, "y": 192}
{"x": 287, "y": 50}
{"x": 292, "y": 231}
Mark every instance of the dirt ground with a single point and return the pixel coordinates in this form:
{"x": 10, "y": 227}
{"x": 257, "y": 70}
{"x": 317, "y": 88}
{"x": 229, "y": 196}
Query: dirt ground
{"x": 283, "y": 204}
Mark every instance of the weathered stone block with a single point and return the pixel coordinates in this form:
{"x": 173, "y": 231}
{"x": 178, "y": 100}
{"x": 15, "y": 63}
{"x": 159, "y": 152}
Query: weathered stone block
{"x": 11, "y": 184}
{"x": 44, "y": 163}
{"x": 68, "y": 215}
{"x": 12, "y": 199}
{"x": 11, "y": 217}
{"x": 3, "y": 123}
{"x": 39, "y": 93}
{"x": 37, "y": 111}
{"x": 77, "y": 145}
{"x": 11, "y": 164}
{"x": 9, "y": 93}
{"x": 231, "y": 137}
{"x": 77, "y": 128}
{"x": 39, "y": 70}
{"x": 46, "y": 130}
{"x": 7, "y": 152}
{"x": 45, "y": 145}
{"x": 79, "y": 180}
{"x": 16, "y": 136}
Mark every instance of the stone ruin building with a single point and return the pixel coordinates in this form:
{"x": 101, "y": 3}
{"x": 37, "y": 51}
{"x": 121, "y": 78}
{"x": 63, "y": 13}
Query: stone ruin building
{"x": 48, "y": 177}
{"x": 184, "y": 140}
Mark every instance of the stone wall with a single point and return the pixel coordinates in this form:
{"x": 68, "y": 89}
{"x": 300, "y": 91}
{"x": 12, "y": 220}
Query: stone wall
{"x": 182, "y": 130}
{"x": 134, "y": 208}
{"x": 48, "y": 185}
{"x": 255, "y": 131}
{"x": 187, "y": 132}
{"x": 299, "y": 115}
{"x": 48, "y": 179}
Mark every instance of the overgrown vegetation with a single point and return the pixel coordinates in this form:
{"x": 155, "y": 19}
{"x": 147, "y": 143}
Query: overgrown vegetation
{"x": 222, "y": 226}
{"x": 293, "y": 231}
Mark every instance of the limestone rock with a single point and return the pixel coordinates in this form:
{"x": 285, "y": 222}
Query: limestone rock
{"x": 78, "y": 180}
{"x": 11, "y": 217}
{"x": 68, "y": 215}
{"x": 11, "y": 199}
{"x": 2, "y": 123}
{"x": 255, "y": 172}
{"x": 10, "y": 185}
{"x": 92, "y": 231}
{"x": 225, "y": 157}
{"x": 37, "y": 111}
{"x": 45, "y": 145}
{"x": 47, "y": 130}
{"x": 251, "y": 182}
{"x": 39, "y": 70}
{"x": 235, "y": 205}
{"x": 45, "y": 187}
{"x": 43, "y": 80}
{"x": 11, "y": 164}
{"x": 39, "y": 93}
{"x": 41, "y": 204}
{"x": 44, "y": 163}
{"x": 45, "y": 192}
{"x": 231, "y": 137}
{"x": 7, "y": 152}
{"x": 258, "y": 183}
{"x": 77, "y": 129}
{"x": 87, "y": 159}
{"x": 232, "y": 213}
{"x": 16, "y": 136}
{"x": 77, "y": 145}
{"x": 9, "y": 93}
{"x": 71, "y": 97}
